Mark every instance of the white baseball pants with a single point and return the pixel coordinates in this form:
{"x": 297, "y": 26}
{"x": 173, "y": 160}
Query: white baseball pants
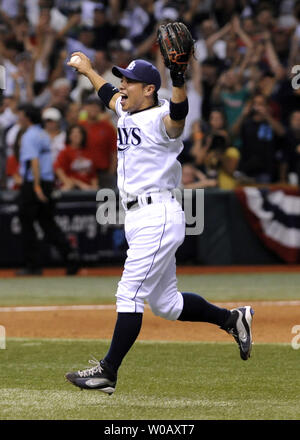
{"x": 153, "y": 232}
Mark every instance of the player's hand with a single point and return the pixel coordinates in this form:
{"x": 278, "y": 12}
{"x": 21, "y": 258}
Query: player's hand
{"x": 83, "y": 66}
{"x": 176, "y": 46}
{"x": 39, "y": 193}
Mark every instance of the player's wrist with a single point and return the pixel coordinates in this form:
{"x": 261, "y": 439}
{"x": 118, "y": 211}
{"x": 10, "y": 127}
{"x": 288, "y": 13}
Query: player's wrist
{"x": 177, "y": 78}
{"x": 179, "y": 110}
{"x": 89, "y": 72}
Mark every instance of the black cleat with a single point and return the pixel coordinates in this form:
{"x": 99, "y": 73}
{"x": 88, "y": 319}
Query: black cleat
{"x": 239, "y": 326}
{"x": 100, "y": 377}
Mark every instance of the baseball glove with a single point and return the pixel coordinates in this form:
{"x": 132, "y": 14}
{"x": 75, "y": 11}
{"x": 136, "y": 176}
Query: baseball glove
{"x": 176, "y": 46}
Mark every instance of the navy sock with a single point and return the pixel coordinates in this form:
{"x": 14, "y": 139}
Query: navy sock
{"x": 196, "y": 308}
{"x": 126, "y": 331}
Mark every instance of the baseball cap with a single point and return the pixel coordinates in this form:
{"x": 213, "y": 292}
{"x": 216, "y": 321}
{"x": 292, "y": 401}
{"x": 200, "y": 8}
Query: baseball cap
{"x": 140, "y": 70}
{"x": 51, "y": 113}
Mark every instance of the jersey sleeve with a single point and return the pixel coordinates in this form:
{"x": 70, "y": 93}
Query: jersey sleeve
{"x": 160, "y": 127}
{"x": 118, "y": 107}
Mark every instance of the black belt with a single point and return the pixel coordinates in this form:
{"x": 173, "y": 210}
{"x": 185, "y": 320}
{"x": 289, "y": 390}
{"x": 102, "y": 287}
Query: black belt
{"x": 129, "y": 205}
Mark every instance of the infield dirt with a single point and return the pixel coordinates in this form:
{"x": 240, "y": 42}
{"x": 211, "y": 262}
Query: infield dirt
{"x": 272, "y": 323}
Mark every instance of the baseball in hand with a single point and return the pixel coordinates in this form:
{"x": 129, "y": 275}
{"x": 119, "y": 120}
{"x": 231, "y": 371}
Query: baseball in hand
{"x": 75, "y": 59}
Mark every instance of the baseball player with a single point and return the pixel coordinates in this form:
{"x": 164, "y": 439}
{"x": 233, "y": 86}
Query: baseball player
{"x": 149, "y": 141}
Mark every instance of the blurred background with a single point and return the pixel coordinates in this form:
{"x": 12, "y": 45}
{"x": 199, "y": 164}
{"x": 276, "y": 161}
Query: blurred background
{"x": 242, "y": 134}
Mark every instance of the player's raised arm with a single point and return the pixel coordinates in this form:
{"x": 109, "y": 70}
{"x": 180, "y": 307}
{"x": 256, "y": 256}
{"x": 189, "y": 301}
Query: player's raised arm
{"x": 106, "y": 91}
{"x": 176, "y": 46}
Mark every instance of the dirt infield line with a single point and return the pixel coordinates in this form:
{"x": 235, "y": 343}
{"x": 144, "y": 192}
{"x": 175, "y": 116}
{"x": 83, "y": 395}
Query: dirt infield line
{"x": 112, "y": 307}
{"x": 181, "y": 270}
{"x": 271, "y": 324}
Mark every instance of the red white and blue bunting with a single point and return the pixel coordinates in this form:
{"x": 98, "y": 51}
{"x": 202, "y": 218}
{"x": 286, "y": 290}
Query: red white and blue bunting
{"x": 274, "y": 214}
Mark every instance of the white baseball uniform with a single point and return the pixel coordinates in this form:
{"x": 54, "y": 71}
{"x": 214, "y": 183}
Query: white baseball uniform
{"x": 148, "y": 166}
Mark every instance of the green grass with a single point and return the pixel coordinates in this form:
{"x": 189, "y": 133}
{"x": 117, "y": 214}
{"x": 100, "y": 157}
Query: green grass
{"x": 101, "y": 290}
{"x": 190, "y": 381}
{"x": 158, "y": 380}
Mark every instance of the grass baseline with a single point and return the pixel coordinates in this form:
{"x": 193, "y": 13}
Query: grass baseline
{"x": 158, "y": 380}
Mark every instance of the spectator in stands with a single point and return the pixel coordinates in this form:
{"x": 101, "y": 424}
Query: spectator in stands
{"x": 253, "y": 44}
{"x": 281, "y": 41}
{"x": 104, "y": 30}
{"x": 24, "y": 77}
{"x": 210, "y": 165}
{"x": 228, "y": 178}
{"x": 192, "y": 178}
{"x": 120, "y": 52}
{"x": 14, "y": 178}
{"x": 101, "y": 141}
{"x": 8, "y": 112}
{"x": 204, "y": 159}
{"x": 84, "y": 42}
{"x": 52, "y": 119}
{"x": 267, "y": 86}
{"x": 9, "y": 129}
{"x": 36, "y": 202}
{"x": 225, "y": 42}
{"x": 210, "y": 71}
{"x": 249, "y": 27}
{"x": 265, "y": 17}
{"x": 211, "y": 43}
{"x": 9, "y": 49}
{"x": 231, "y": 94}
{"x": 206, "y": 137}
{"x": 60, "y": 94}
{"x": 261, "y": 139}
{"x": 74, "y": 166}
{"x": 215, "y": 132}
{"x": 139, "y": 20}
{"x": 292, "y": 150}
{"x": 225, "y": 10}
{"x": 71, "y": 115}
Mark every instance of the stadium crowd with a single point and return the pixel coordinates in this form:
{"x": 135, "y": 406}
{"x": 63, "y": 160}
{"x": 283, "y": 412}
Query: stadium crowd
{"x": 244, "y": 120}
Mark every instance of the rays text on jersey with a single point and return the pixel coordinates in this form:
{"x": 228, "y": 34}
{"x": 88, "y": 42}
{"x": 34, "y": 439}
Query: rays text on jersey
{"x": 129, "y": 136}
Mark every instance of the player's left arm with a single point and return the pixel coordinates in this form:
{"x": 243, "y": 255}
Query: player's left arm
{"x": 176, "y": 46}
{"x": 178, "y": 109}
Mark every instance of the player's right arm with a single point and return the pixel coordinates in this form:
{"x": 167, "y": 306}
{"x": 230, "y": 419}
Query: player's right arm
{"x": 85, "y": 67}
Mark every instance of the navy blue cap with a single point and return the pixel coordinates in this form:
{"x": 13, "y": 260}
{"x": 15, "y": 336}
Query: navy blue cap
{"x": 140, "y": 70}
